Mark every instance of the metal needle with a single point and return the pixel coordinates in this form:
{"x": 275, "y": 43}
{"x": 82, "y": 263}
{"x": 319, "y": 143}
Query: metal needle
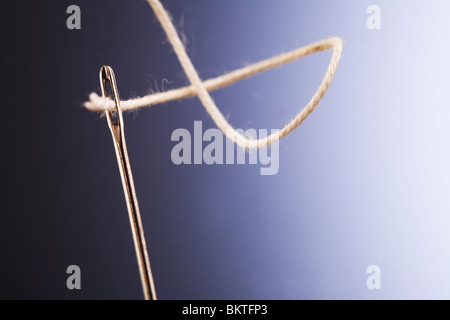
{"x": 117, "y": 132}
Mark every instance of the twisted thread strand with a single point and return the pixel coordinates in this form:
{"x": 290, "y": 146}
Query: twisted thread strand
{"x": 199, "y": 88}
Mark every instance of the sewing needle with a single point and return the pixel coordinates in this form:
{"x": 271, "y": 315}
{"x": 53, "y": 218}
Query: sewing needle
{"x": 118, "y": 135}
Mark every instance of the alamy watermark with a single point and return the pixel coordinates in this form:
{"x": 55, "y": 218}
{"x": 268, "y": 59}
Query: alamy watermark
{"x": 374, "y": 20}
{"x": 219, "y": 150}
{"x": 74, "y": 280}
{"x": 74, "y": 20}
{"x": 374, "y": 280}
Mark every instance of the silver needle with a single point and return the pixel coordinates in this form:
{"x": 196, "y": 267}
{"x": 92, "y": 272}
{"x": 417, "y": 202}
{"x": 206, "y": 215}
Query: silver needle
{"x": 117, "y": 132}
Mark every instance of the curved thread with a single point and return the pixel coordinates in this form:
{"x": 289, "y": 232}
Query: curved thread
{"x": 201, "y": 89}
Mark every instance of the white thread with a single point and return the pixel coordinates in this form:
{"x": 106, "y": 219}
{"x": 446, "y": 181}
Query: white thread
{"x": 201, "y": 89}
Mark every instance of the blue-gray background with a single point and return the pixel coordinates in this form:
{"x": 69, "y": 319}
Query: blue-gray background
{"x": 365, "y": 180}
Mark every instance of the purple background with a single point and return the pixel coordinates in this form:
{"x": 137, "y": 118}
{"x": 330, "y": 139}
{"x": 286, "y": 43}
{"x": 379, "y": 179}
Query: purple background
{"x": 365, "y": 179}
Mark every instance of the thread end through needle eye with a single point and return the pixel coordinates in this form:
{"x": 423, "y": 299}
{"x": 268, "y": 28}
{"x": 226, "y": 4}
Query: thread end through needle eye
{"x": 107, "y": 76}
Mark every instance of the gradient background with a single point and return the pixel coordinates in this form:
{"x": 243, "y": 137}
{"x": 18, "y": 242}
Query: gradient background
{"x": 365, "y": 180}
